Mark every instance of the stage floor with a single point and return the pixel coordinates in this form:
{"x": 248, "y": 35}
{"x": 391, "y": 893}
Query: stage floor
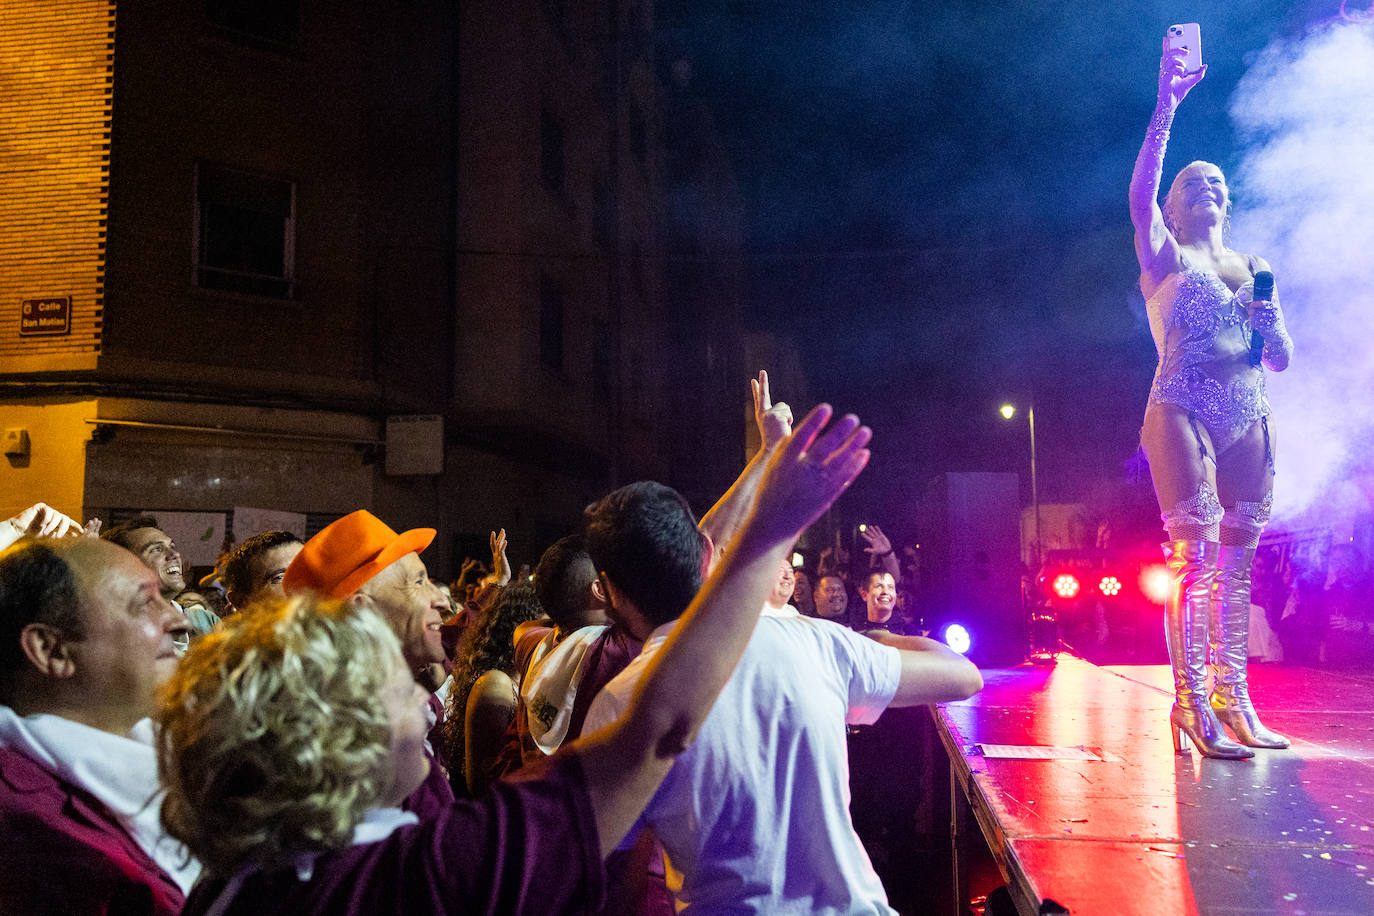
{"x": 1143, "y": 831}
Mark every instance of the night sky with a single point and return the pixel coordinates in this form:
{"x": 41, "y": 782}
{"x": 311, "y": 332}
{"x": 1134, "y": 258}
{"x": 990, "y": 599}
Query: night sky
{"x": 936, "y": 212}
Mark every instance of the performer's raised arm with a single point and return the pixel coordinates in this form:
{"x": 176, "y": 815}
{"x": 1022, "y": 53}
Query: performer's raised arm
{"x": 1155, "y": 246}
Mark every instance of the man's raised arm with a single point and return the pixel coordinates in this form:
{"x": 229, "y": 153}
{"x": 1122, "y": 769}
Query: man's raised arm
{"x": 625, "y": 762}
{"x": 932, "y": 672}
{"x": 723, "y": 520}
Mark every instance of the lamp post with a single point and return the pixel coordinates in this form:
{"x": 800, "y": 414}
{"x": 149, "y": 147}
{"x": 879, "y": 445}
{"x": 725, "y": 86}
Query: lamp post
{"x": 1042, "y": 617}
{"x": 1008, "y": 411}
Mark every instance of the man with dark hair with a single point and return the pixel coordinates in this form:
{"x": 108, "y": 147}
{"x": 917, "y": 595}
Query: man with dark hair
{"x": 86, "y": 638}
{"x": 566, "y": 584}
{"x": 879, "y": 593}
{"x": 832, "y": 598}
{"x": 256, "y": 568}
{"x": 754, "y": 816}
{"x": 142, "y": 537}
{"x": 651, "y": 555}
{"x": 563, "y": 666}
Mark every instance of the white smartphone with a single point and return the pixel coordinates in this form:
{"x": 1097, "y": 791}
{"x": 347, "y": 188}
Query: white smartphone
{"x": 1188, "y": 36}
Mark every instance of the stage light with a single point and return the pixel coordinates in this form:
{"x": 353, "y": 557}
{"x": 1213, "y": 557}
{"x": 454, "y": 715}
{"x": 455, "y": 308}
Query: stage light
{"x": 958, "y": 638}
{"x": 798, "y": 560}
{"x": 1110, "y": 586}
{"x": 1007, "y": 411}
{"x": 1065, "y": 585}
{"x": 1155, "y": 583}
{"x": 863, "y": 527}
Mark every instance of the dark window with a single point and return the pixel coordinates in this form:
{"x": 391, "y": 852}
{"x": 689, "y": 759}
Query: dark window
{"x": 265, "y": 23}
{"x": 550, "y": 324}
{"x": 244, "y": 232}
{"x": 551, "y": 149}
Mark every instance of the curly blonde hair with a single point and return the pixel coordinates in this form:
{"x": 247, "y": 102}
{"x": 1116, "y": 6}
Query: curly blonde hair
{"x": 274, "y": 737}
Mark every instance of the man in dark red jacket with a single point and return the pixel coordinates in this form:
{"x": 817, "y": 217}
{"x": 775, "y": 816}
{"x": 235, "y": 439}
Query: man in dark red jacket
{"x": 86, "y": 637}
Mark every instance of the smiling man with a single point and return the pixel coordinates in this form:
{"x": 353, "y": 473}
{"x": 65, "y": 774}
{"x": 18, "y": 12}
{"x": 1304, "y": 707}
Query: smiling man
{"x": 831, "y": 598}
{"x": 86, "y": 639}
{"x": 143, "y": 538}
{"x": 880, "y": 602}
{"x": 359, "y": 558}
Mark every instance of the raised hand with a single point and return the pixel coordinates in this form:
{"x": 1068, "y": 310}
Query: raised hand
{"x": 774, "y": 420}
{"x": 500, "y": 565}
{"x": 878, "y": 544}
{"x": 39, "y": 521}
{"x": 808, "y": 472}
{"x": 1174, "y": 80}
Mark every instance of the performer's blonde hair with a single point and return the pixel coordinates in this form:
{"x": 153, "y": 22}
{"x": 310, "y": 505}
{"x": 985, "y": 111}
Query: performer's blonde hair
{"x": 274, "y": 737}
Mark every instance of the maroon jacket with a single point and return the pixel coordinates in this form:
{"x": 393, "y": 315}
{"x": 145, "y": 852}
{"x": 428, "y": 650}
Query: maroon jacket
{"x": 66, "y": 853}
{"x": 527, "y": 846}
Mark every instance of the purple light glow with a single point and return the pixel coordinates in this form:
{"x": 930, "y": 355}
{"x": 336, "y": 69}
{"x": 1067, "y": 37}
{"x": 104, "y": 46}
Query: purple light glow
{"x": 1305, "y": 202}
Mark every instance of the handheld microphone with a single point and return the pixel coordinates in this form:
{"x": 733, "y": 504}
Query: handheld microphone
{"x": 1264, "y": 292}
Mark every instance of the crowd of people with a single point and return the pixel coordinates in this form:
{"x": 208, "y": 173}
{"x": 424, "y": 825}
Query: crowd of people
{"x": 322, "y": 727}
{"x": 1316, "y": 610}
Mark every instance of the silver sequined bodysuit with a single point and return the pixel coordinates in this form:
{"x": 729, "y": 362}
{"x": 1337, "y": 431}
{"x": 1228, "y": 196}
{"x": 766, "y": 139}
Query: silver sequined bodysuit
{"x": 1202, "y": 334}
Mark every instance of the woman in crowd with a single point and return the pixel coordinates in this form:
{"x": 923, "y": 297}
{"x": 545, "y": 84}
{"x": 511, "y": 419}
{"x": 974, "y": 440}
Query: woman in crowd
{"x": 1206, "y": 430}
{"x": 485, "y": 695}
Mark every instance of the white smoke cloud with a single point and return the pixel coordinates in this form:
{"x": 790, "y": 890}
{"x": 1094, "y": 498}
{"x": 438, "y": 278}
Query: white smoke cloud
{"x": 1305, "y": 202}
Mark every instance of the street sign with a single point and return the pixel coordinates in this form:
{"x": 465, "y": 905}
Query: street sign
{"x": 46, "y": 317}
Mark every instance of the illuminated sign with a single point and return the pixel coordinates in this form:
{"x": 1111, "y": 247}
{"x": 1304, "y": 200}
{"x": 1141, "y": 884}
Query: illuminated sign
{"x": 45, "y": 317}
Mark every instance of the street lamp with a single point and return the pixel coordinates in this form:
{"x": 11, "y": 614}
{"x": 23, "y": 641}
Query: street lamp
{"x": 1008, "y": 411}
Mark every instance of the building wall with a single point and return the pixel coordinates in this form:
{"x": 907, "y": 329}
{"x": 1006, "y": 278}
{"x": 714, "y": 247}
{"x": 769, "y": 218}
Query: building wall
{"x": 56, "y": 67}
{"x": 160, "y": 456}
{"x": 188, "y": 93}
{"x": 520, "y": 66}
{"x": 712, "y": 361}
{"x": 426, "y": 234}
{"x": 54, "y": 471}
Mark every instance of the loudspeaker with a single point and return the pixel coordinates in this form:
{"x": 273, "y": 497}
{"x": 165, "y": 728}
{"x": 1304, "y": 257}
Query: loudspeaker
{"x": 971, "y": 563}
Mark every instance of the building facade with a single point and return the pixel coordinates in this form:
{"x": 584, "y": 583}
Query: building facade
{"x": 313, "y": 257}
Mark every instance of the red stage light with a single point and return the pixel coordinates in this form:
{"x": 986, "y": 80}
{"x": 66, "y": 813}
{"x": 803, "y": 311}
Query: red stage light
{"x": 1155, "y": 583}
{"x": 1065, "y": 585}
{"x": 1109, "y": 586}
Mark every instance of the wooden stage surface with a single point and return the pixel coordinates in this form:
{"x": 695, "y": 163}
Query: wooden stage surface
{"x": 1144, "y": 831}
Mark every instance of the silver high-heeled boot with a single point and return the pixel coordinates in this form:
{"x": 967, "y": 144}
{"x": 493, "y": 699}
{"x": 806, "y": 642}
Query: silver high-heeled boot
{"x": 1231, "y": 649}
{"x": 1186, "y": 612}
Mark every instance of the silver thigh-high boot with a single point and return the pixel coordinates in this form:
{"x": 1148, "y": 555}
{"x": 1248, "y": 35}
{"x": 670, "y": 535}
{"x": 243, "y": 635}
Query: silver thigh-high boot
{"x": 1231, "y": 649}
{"x": 1186, "y": 612}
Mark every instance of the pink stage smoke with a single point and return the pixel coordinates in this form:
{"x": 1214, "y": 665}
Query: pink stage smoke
{"x": 1305, "y": 201}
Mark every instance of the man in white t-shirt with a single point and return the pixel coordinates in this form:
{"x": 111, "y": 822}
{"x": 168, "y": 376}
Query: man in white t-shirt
{"x": 755, "y": 815}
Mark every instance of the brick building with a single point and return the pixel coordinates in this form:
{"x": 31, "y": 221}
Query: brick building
{"x": 310, "y": 257}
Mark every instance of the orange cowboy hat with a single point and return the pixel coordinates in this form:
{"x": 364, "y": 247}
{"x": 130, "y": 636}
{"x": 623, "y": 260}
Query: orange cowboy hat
{"x": 346, "y": 554}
